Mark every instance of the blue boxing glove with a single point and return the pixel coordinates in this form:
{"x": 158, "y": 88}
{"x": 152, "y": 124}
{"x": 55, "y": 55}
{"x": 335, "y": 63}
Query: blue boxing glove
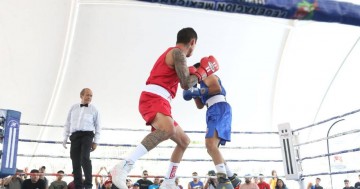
{"x": 194, "y": 92}
{"x": 191, "y": 93}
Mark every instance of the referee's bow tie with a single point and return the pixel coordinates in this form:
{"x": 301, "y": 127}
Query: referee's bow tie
{"x": 86, "y": 105}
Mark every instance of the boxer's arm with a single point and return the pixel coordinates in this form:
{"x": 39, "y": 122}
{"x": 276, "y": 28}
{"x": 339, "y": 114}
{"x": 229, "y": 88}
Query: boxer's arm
{"x": 212, "y": 82}
{"x": 180, "y": 64}
{"x": 199, "y": 103}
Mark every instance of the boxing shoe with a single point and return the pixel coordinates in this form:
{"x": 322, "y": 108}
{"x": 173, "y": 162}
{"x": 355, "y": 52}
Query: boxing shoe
{"x": 168, "y": 184}
{"x": 235, "y": 181}
{"x": 224, "y": 182}
{"x": 119, "y": 174}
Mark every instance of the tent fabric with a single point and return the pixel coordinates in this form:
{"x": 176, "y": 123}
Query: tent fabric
{"x": 275, "y": 70}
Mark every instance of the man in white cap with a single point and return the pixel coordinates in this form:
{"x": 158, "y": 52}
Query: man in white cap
{"x": 248, "y": 184}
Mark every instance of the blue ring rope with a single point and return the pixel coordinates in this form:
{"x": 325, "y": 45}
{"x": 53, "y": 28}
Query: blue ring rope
{"x": 327, "y": 120}
{"x": 330, "y": 154}
{"x": 132, "y": 145}
{"x": 147, "y": 130}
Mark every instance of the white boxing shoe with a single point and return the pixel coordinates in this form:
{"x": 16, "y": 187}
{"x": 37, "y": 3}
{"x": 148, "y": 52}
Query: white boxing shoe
{"x": 168, "y": 184}
{"x": 119, "y": 174}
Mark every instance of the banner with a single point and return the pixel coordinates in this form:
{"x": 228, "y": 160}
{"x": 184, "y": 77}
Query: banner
{"x": 317, "y": 10}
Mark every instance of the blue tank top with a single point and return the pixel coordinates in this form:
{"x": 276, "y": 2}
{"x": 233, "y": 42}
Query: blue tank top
{"x": 204, "y": 98}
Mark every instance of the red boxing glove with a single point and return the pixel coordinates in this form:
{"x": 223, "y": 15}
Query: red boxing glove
{"x": 208, "y": 66}
{"x": 192, "y": 70}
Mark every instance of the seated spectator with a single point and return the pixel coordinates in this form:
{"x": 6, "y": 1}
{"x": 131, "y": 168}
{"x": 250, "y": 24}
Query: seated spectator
{"x": 129, "y": 183}
{"x": 71, "y": 185}
{"x": 156, "y": 183}
{"x": 280, "y": 184}
{"x": 109, "y": 180}
{"x": 248, "y": 184}
{"x": 212, "y": 181}
{"x": 347, "y": 184}
{"x": 42, "y": 176}
{"x": 136, "y": 186}
{"x": 262, "y": 184}
{"x": 357, "y": 184}
{"x": 59, "y": 183}
{"x": 144, "y": 182}
{"x": 317, "y": 184}
{"x": 196, "y": 183}
{"x": 108, "y": 184}
{"x": 177, "y": 183}
{"x": 34, "y": 182}
{"x": 98, "y": 184}
{"x": 14, "y": 181}
{"x": 273, "y": 180}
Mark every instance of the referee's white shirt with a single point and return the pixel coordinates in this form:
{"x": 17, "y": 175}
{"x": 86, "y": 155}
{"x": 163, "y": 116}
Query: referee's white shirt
{"x": 83, "y": 119}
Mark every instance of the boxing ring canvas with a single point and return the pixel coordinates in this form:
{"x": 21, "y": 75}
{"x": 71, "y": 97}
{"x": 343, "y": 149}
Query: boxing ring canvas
{"x": 275, "y": 71}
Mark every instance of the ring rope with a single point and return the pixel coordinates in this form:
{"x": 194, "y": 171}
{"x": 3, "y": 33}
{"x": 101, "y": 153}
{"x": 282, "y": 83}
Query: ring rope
{"x": 330, "y": 137}
{"x": 150, "y": 159}
{"x": 146, "y": 130}
{"x": 134, "y": 176}
{"x": 333, "y": 173}
{"x": 154, "y": 176}
{"x": 230, "y": 160}
{"x": 327, "y": 120}
{"x": 330, "y": 154}
{"x": 132, "y": 145}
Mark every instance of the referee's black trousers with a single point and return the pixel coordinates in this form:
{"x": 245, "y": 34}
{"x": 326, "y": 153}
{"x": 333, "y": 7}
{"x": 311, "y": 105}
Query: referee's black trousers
{"x": 81, "y": 142}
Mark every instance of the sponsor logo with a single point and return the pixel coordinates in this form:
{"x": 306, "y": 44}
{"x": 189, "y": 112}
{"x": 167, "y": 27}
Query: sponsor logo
{"x": 211, "y": 66}
{"x": 13, "y": 124}
{"x": 173, "y": 171}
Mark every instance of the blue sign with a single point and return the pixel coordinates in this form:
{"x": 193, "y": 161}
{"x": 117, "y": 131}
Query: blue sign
{"x": 317, "y": 10}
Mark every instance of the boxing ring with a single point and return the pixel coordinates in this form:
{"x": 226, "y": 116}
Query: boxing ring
{"x": 332, "y": 155}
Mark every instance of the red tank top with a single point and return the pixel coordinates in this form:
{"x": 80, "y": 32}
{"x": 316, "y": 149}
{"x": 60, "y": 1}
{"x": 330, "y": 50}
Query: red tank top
{"x": 161, "y": 74}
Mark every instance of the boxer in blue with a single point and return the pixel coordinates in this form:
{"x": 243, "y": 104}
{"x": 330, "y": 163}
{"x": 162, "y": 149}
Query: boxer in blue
{"x": 212, "y": 94}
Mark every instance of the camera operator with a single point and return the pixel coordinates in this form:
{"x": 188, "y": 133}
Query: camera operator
{"x": 211, "y": 182}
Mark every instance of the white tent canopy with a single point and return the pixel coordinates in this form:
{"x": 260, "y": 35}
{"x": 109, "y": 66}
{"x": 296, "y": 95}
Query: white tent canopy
{"x": 274, "y": 70}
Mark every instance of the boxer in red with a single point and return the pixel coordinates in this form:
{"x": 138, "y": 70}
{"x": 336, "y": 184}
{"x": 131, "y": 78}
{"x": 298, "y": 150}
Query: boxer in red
{"x": 154, "y": 105}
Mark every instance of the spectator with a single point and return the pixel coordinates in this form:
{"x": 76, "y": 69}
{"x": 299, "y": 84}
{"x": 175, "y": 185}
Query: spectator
{"x": 128, "y": 183}
{"x": 136, "y": 185}
{"x": 177, "y": 183}
{"x": 156, "y": 183}
{"x": 211, "y": 182}
{"x": 14, "y": 181}
{"x": 262, "y": 184}
{"x": 347, "y": 184}
{"x": 317, "y": 184}
{"x": 2, "y": 183}
{"x": 256, "y": 179}
{"x": 110, "y": 179}
{"x": 34, "y": 182}
{"x": 98, "y": 184}
{"x": 71, "y": 185}
{"x": 273, "y": 180}
{"x": 42, "y": 176}
{"x": 248, "y": 184}
{"x": 144, "y": 182}
{"x": 108, "y": 184}
{"x": 59, "y": 183}
{"x": 196, "y": 183}
{"x": 280, "y": 184}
